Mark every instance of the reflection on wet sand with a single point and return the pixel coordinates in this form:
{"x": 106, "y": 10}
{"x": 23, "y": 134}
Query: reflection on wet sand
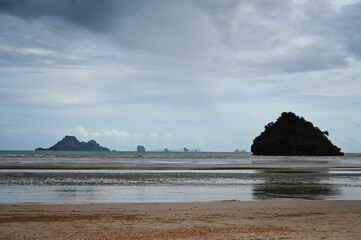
{"x": 295, "y": 185}
{"x": 64, "y": 193}
{"x": 175, "y": 177}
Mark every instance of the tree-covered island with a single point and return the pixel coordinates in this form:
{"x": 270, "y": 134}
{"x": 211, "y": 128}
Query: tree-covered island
{"x": 292, "y": 135}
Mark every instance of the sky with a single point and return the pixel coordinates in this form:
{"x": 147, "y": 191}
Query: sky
{"x": 171, "y": 74}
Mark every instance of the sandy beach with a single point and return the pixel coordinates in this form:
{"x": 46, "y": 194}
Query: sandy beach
{"x": 207, "y": 220}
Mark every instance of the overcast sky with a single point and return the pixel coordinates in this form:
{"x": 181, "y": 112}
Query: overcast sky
{"x": 172, "y": 74}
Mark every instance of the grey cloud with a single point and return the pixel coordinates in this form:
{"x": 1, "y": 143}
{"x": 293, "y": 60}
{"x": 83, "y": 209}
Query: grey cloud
{"x": 340, "y": 26}
{"x": 266, "y": 36}
{"x": 34, "y": 72}
{"x": 168, "y": 28}
{"x": 30, "y": 44}
{"x": 218, "y": 9}
{"x": 348, "y": 24}
{"x": 314, "y": 55}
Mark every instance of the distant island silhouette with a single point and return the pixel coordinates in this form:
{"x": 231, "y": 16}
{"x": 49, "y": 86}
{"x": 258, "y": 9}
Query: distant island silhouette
{"x": 70, "y": 143}
{"x": 141, "y": 148}
{"x": 292, "y": 135}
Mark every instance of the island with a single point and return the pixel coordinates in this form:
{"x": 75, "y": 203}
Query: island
{"x": 140, "y": 148}
{"x": 292, "y": 135}
{"x": 238, "y": 151}
{"x": 70, "y": 143}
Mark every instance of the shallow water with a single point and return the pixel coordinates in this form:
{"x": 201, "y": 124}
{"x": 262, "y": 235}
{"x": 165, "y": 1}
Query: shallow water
{"x": 28, "y": 177}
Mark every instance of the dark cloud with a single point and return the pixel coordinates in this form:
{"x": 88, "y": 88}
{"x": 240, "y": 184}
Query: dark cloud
{"x": 95, "y": 15}
{"x": 211, "y": 36}
{"x": 260, "y": 36}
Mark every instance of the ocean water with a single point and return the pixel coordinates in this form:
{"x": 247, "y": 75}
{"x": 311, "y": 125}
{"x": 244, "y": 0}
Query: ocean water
{"x": 88, "y": 177}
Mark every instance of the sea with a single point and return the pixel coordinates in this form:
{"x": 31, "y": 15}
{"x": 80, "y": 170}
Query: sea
{"x": 49, "y": 177}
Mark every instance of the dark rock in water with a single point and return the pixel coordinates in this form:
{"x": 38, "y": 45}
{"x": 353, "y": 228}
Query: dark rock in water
{"x": 70, "y": 143}
{"x": 140, "y": 148}
{"x": 238, "y": 151}
{"x": 166, "y": 150}
{"x": 291, "y": 135}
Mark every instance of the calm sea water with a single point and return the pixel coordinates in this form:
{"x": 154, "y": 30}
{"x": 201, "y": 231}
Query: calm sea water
{"x": 88, "y": 177}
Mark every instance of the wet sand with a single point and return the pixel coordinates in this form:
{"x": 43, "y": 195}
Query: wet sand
{"x": 173, "y": 161}
{"x": 146, "y": 186}
{"x": 211, "y": 220}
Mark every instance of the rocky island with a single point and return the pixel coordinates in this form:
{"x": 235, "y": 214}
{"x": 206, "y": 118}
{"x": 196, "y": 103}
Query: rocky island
{"x": 70, "y": 143}
{"x": 292, "y": 135}
{"x": 140, "y": 148}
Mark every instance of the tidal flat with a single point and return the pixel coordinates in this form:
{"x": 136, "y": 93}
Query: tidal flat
{"x": 84, "y": 177}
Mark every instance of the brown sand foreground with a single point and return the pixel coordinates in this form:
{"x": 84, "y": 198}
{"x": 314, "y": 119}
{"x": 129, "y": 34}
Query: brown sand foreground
{"x": 212, "y": 220}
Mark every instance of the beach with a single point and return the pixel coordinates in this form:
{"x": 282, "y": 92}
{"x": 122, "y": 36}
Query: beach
{"x": 178, "y": 196}
{"x": 180, "y": 119}
{"x": 206, "y": 220}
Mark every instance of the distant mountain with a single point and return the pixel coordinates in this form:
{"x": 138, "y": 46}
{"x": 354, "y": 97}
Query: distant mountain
{"x": 70, "y": 143}
{"x": 292, "y": 135}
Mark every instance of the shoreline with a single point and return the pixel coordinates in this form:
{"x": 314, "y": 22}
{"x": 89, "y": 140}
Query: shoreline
{"x": 296, "y": 219}
{"x": 127, "y": 204}
{"x": 175, "y": 168}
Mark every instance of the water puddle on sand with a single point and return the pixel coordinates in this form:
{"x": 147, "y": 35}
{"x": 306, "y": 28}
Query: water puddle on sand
{"x": 85, "y": 178}
{"x": 96, "y": 186}
{"x": 144, "y": 194}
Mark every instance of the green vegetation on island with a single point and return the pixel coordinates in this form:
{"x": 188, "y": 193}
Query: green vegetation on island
{"x": 292, "y": 135}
